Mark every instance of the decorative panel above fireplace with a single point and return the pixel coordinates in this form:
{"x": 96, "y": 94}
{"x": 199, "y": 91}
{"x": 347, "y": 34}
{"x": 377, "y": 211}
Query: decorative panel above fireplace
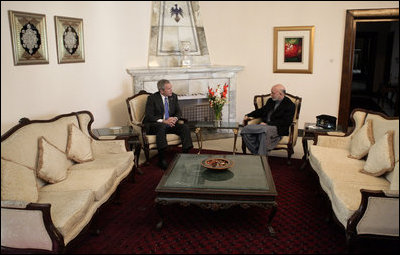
{"x": 174, "y": 22}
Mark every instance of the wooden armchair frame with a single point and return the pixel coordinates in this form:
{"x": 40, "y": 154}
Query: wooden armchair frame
{"x": 136, "y": 117}
{"x": 287, "y": 142}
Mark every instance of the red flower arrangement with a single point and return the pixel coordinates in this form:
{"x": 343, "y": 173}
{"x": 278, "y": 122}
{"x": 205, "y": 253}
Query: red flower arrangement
{"x": 217, "y": 99}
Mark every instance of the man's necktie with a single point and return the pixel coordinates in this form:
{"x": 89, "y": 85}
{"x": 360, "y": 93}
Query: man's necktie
{"x": 166, "y": 109}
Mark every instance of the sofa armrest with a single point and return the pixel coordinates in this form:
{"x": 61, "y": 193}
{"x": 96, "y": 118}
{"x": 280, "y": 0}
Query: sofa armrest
{"x": 378, "y": 214}
{"x": 28, "y": 227}
{"x": 333, "y": 141}
{"x": 109, "y": 146}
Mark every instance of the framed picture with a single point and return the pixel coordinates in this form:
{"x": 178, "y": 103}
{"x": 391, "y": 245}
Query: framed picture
{"x": 293, "y": 49}
{"x": 70, "y": 46}
{"x": 28, "y": 38}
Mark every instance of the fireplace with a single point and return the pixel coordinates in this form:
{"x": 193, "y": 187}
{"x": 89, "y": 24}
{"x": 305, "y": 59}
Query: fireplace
{"x": 191, "y": 86}
{"x": 188, "y": 69}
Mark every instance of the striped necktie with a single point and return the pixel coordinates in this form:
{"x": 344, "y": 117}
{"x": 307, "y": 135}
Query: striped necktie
{"x": 166, "y": 109}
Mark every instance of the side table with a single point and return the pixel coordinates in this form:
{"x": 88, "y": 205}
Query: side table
{"x": 310, "y": 132}
{"x": 198, "y": 125}
{"x": 124, "y": 132}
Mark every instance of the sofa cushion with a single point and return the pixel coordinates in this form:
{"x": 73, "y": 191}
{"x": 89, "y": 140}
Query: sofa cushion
{"x": 346, "y": 198}
{"x": 68, "y": 208}
{"x": 361, "y": 141}
{"x": 53, "y": 163}
{"x": 119, "y": 162}
{"x": 99, "y": 181}
{"x": 381, "y": 156}
{"x": 333, "y": 166}
{"x": 79, "y": 146}
{"x": 18, "y": 182}
{"x": 22, "y": 145}
{"x": 381, "y": 126}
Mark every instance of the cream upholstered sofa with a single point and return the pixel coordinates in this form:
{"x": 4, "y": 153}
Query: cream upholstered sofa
{"x": 54, "y": 176}
{"x": 360, "y": 174}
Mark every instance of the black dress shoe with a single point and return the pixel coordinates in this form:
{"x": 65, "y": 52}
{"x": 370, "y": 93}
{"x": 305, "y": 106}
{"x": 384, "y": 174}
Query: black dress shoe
{"x": 163, "y": 164}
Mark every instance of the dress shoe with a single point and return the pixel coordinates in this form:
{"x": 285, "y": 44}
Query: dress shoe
{"x": 186, "y": 150}
{"x": 163, "y": 164}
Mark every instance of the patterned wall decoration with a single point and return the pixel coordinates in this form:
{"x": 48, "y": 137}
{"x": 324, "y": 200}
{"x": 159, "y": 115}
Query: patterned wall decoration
{"x": 29, "y": 39}
{"x": 69, "y": 32}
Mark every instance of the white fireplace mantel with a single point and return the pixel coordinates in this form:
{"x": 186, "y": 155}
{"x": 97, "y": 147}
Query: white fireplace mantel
{"x": 182, "y": 70}
{"x": 189, "y": 83}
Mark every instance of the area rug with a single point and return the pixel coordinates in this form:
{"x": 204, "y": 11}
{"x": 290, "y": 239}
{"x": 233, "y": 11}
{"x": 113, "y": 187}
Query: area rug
{"x": 300, "y": 222}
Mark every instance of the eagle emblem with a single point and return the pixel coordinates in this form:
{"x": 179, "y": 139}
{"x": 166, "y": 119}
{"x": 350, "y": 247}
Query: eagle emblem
{"x": 176, "y": 11}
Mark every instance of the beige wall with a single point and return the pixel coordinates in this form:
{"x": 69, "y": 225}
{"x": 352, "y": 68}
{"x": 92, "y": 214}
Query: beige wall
{"x": 117, "y": 37}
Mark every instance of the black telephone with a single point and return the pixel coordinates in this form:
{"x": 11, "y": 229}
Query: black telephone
{"x": 326, "y": 121}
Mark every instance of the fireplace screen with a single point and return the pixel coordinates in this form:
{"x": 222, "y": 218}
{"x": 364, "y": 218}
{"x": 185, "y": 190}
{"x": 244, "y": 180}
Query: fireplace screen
{"x": 197, "y": 112}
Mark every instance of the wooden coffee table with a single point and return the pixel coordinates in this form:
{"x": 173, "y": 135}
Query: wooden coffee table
{"x": 248, "y": 183}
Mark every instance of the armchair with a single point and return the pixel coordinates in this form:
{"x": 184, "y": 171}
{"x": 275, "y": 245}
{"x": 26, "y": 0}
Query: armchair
{"x": 287, "y": 142}
{"x": 136, "y": 109}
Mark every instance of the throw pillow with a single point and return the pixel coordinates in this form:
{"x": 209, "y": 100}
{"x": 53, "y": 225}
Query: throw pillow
{"x": 18, "y": 182}
{"x": 362, "y": 141}
{"x": 53, "y": 163}
{"x": 79, "y": 145}
{"x": 381, "y": 156}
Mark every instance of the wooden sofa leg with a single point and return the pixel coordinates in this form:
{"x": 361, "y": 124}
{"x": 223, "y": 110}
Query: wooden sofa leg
{"x": 350, "y": 242}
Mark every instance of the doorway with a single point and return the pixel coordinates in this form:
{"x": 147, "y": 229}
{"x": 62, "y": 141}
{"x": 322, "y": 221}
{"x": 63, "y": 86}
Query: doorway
{"x": 370, "y": 68}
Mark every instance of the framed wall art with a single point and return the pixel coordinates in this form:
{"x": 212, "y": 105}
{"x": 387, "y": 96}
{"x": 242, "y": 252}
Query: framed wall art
{"x": 28, "y": 38}
{"x": 70, "y": 46}
{"x": 293, "y": 49}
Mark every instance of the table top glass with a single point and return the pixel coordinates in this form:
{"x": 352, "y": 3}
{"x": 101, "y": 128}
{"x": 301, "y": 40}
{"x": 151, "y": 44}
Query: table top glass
{"x": 312, "y": 127}
{"x": 214, "y": 124}
{"x": 121, "y": 131}
{"x": 249, "y": 173}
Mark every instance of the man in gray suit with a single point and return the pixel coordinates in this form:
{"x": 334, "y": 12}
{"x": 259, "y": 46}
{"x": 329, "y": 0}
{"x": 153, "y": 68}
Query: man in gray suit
{"x": 161, "y": 118}
{"x": 277, "y": 115}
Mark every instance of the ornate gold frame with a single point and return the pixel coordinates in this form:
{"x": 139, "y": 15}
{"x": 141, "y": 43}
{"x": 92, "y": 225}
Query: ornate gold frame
{"x": 29, "y": 38}
{"x": 279, "y": 47}
{"x": 70, "y": 43}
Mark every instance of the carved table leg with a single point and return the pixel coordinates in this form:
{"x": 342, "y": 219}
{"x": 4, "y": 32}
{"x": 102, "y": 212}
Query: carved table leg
{"x": 271, "y": 216}
{"x": 305, "y": 150}
{"x": 199, "y": 139}
{"x": 235, "y": 132}
{"x": 160, "y": 218}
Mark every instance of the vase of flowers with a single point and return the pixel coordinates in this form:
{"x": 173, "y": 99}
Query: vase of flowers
{"x": 217, "y": 99}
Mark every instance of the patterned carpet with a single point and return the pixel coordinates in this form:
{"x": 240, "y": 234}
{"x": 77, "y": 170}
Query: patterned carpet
{"x": 300, "y": 222}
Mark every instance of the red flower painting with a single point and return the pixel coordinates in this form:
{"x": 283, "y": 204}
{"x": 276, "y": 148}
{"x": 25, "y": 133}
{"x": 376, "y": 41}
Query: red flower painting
{"x": 293, "y": 50}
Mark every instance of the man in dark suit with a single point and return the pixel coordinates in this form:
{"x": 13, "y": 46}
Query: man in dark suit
{"x": 277, "y": 115}
{"x": 161, "y": 118}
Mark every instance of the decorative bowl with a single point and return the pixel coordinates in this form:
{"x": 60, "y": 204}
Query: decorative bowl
{"x": 217, "y": 163}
